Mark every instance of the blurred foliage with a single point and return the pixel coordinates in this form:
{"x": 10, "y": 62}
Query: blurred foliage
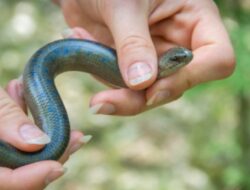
{"x": 199, "y": 142}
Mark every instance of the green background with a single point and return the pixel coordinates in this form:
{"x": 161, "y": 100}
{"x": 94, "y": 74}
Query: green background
{"x": 200, "y": 142}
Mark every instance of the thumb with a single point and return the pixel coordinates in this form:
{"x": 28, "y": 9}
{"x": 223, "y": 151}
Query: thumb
{"x": 15, "y": 127}
{"x": 128, "y": 22}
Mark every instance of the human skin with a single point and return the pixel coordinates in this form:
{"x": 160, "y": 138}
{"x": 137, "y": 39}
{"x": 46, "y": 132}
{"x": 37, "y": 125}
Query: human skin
{"x": 141, "y": 31}
{"x": 13, "y": 120}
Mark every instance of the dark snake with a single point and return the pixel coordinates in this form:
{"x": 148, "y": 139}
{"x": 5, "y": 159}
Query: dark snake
{"x": 44, "y": 102}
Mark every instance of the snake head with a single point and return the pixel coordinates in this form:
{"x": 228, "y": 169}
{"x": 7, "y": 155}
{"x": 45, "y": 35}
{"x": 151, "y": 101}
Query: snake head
{"x": 174, "y": 59}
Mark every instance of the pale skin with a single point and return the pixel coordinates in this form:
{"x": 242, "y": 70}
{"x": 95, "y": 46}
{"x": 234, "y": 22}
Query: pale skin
{"x": 12, "y": 118}
{"x": 140, "y": 30}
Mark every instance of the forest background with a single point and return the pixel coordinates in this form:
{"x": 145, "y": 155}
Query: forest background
{"x": 200, "y": 142}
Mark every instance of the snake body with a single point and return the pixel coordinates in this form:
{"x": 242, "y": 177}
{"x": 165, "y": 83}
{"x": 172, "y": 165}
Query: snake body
{"x": 44, "y": 101}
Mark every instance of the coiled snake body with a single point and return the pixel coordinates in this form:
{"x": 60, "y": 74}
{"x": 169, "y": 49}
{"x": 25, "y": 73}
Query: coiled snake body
{"x": 44, "y": 101}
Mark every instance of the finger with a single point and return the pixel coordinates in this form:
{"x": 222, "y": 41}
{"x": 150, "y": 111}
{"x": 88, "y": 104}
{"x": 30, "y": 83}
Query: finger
{"x": 77, "y": 140}
{"x": 16, "y": 129}
{"x": 77, "y": 32}
{"x": 213, "y": 67}
{"x": 118, "y": 102}
{"x": 213, "y": 59}
{"x": 15, "y": 91}
{"x": 167, "y": 89}
{"x": 213, "y": 53}
{"x": 128, "y": 22}
{"x": 34, "y": 176}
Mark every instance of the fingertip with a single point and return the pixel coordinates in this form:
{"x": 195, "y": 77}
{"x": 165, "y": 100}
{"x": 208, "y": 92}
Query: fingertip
{"x": 16, "y": 128}
{"x": 137, "y": 56}
{"x": 168, "y": 89}
{"x": 77, "y": 140}
{"x": 140, "y": 75}
{"x": 137, "y": 61}
{"x": 26, "y": 137}
{"x": 118, "y": 102}
{"x": 79, "y": 143}
{"x": 103, "y": 108}
{"x": 76, "y": 134}
{"x": 54, "y": 174}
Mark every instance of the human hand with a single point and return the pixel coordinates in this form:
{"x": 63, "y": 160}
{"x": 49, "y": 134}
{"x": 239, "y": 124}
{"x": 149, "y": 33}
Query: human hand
{"x": 143, "y": 30}
{"x": 19, "y": 131}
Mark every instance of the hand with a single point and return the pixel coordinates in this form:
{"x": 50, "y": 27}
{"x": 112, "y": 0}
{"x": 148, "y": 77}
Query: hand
{"x": 19, "y": 131}
{"x": 141, "y": 31}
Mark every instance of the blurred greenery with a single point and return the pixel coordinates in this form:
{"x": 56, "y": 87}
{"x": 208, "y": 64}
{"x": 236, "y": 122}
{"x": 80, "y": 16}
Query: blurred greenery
{"x": 201, "y": 141}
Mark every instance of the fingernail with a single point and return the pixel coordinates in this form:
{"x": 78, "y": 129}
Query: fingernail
{"x": 20, "y": 78}
{"x": 84, "y": 140}
{"x": 67, "y": 33}
{"x": 102, "y": 108}
{"x": 158, "y": 97}
{"x": 54, "y": 174}
{"x": 138, "y": 73}
{"x": 33, "y": 135}
{"x": 75, "y": 148}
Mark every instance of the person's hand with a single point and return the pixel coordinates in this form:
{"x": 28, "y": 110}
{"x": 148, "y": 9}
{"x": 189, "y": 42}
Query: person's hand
{"x": 17, "y": 130}
{"x": 141, "y": 31}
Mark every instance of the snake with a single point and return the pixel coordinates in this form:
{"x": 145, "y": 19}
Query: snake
{"x": 43, "y": 99}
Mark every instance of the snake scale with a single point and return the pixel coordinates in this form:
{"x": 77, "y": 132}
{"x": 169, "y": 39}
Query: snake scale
{"x": 44, "y": 101}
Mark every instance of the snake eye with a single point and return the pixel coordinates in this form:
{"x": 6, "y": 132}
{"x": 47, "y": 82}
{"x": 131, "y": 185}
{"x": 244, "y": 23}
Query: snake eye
{"x": 174, "y": 58}
{"x": 178, "y": 58}
{"x": 181, "y": 56}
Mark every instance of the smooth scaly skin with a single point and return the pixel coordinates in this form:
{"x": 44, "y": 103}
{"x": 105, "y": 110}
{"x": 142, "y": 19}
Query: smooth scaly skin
{"x": 44, "y": 101}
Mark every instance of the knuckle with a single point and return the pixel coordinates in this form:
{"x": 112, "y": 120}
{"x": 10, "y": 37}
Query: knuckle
{"x": 7, "y": 107}
{"x": 135, "y": 106}
{"x": 174, "y": 94}
{"x": 177, "y": 96}
{"x": 189, "y": 83}
{"x": 113, "y": 5}
{"x": 137, "y": 110}
{"x": 175, "y": 88}
{"x": 10, "y": 112}
{"x": 134, "y": 44}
